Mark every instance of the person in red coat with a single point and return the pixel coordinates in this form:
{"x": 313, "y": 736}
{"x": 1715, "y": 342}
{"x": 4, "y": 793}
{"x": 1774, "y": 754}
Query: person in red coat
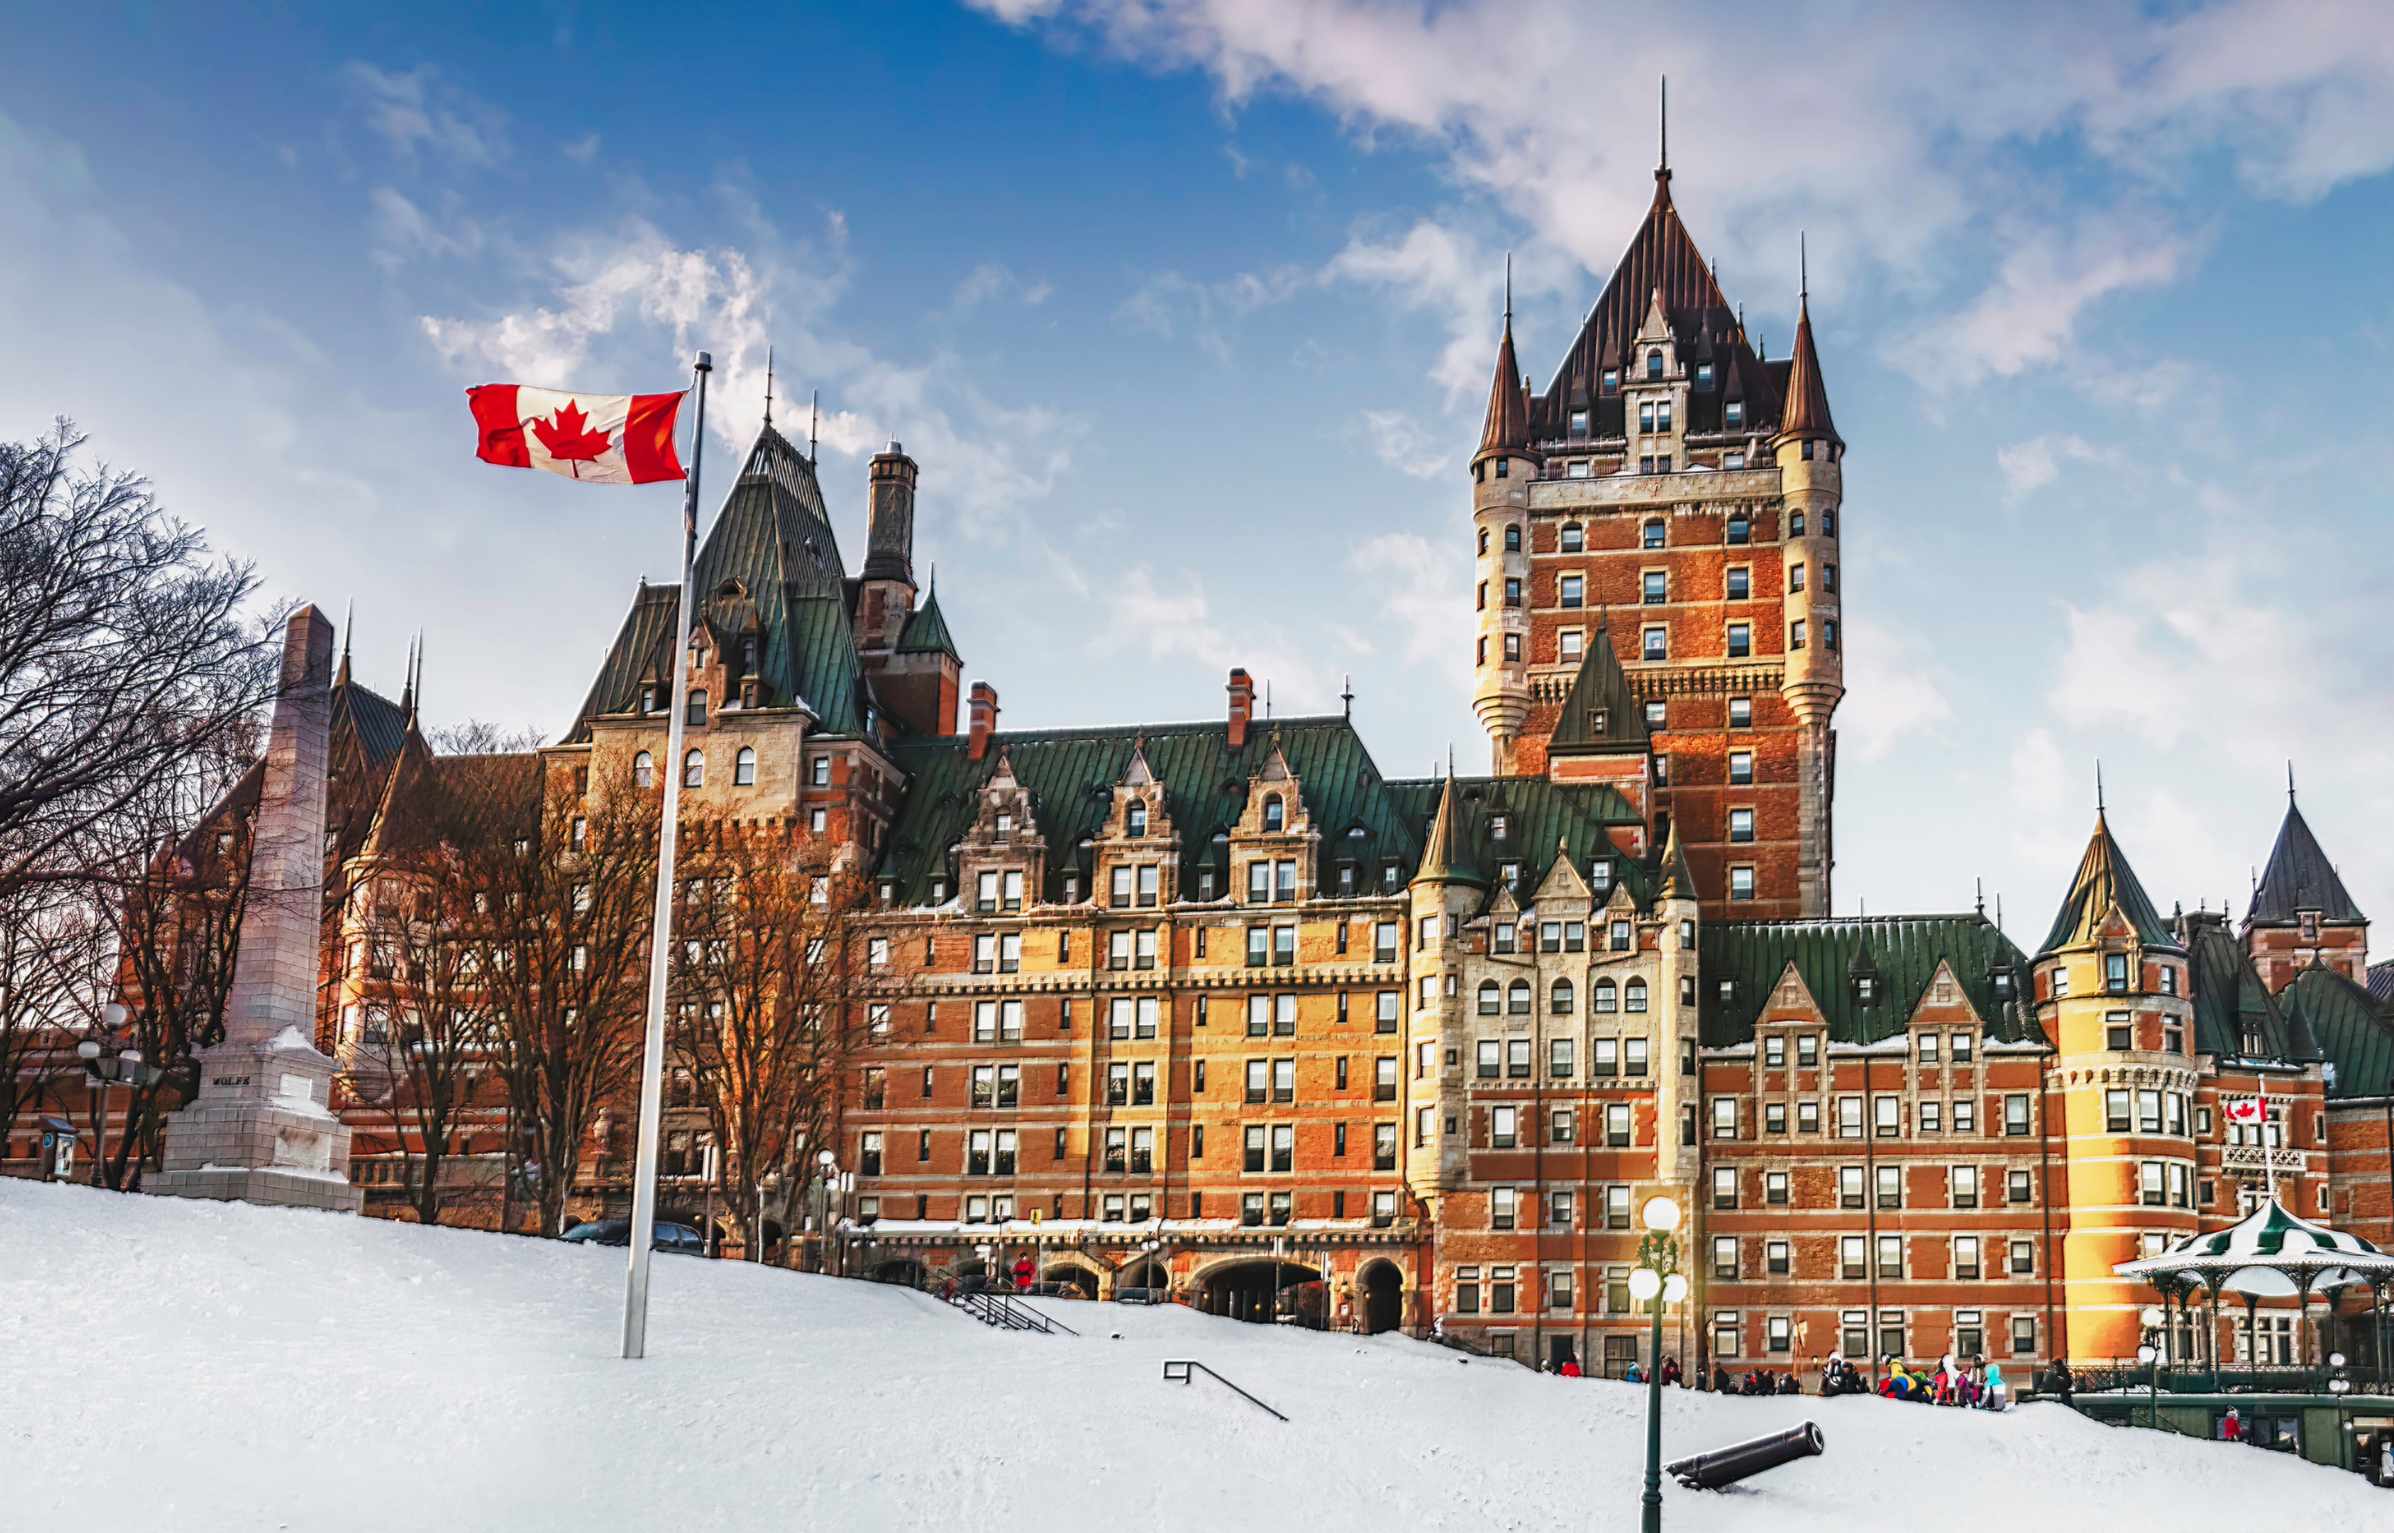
{"x": 1570, "y": 1368}
{"x": 1024, "y": 1273}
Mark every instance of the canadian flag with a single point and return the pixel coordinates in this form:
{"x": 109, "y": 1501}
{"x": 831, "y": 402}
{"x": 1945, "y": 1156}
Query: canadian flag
{"x": 595, "y": 438}
{"x": 2244, "y": 1110}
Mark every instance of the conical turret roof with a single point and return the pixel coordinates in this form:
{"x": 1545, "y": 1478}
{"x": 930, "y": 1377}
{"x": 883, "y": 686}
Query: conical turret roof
{"x": 2105, "y": 880}
{"x": 1600, "y": 713}
{"x": 1678, "y": 879}
{"x": 2300, "y": 877}
{"x": 1446, "y": 856}
{"x": 1807, "y": 412}
{"x": 1508, "y": 406}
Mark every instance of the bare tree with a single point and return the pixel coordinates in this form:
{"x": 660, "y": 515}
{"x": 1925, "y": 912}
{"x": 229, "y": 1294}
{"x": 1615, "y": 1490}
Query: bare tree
{"x": 54, "y": 957}
{"x": 761, "y": 941}
{"x": 558, "y": 890}
{"x": 123, "y": 650}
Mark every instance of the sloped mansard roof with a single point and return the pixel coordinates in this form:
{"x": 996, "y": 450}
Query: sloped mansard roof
{"x": 1904, "y": 951}
{"x": 2351, "y": 1030}
{"x": 2104, "y": 879}
{"x": 2299, "y": 877}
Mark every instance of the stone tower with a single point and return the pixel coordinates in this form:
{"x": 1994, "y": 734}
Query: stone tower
{"x": 1676, "y": 495}
{"x": 261, "y": 1128}
{"x": 2112, "y": 997}
{"x": 885, "y": 590}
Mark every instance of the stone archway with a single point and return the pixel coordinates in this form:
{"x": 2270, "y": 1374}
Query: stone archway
{"x": 904, "y": 1271}
{"x": 1381, "y": 1297}
{"x": 1264, "y": 1290}
{"x": 1073, "y": 1279}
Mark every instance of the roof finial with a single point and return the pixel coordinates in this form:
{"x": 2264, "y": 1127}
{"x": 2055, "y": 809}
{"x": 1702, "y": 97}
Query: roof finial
{"x": 341, "y": 677}
{"x": 1508, "y": 290}
{"x": 1267, "y": 697}
{"x": 2289, "y": 782}
{"x": 1980, "y": 885}
{"x": 1803, "y": 268}
{"x": 1999, "y": 910}
{"x": 407, "y": 689}
{"x": 814, "y": 414}
{"x": 1346, "y": 695}
{"x": 1662, "y": 167}
{"x": 768, "y": 383}
{"x": 2098, "y": 787}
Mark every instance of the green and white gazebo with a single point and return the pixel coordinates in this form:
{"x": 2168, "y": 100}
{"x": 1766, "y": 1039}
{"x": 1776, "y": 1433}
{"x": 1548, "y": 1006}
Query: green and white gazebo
{"x": 2271, "y": 1253}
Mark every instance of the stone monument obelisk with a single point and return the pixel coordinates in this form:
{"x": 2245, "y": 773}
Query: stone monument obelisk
{"x": 261, "y": 1128}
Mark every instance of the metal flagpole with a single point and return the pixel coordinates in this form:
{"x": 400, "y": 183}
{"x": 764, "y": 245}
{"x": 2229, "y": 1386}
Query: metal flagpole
{"x": 2269, "y": 1151}
{"x": 660, "y": 947}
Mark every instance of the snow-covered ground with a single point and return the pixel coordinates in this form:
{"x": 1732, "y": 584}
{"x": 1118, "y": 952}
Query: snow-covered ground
{"x": 202, "y": 1367}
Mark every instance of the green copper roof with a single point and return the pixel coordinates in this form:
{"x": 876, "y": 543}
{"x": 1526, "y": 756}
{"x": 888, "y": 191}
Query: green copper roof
{"x": 1446, "y": 854}
{"x": 2105, "y": 879}
{"x": 2351, "y": 1031}
{"x": 1904, "y": 951}
{"x": 2231, "y": 1004}
{"x": 1362, "y": 817}
{"x": 1539, "y": 819}
{"x": 926, "y": 632}
{"x": 770, "y": 558}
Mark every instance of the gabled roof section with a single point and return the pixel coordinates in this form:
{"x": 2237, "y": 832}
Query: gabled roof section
{"x": 1072, "y": 773}
{"x": 1904, "y": 951}
{"x": 926, "y": 632}
{"x": 1663, "y": 259}
{"x": 1540, "y": 820}
{"x": 2300, "y": 877}
{"x": 1807, "y": 411}
{"x": 1600, "y": 715}
{"x": 2350, "y": 1029}
{"x": 770, "y": 558}
{"x": 378, "y": 724}
{"x": 2104, "y": 880}
{"x": 2231, "y": 1004}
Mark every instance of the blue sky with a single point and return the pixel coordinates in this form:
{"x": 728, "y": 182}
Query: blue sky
{"x": 1187, "y": 311}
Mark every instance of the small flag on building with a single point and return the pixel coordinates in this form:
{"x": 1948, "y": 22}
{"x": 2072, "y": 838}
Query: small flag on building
{"x": 595, "y": 438}
{"x": 2243, "y": 1110}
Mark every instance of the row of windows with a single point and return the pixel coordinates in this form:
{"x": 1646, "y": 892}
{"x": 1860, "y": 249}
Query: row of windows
{"x": 1136, "y": 1207}
{"x": 1968, "y": 1257}
{"x": 694, "y": 772}
{"x": 1655, "y": 532}
{"x": 1959, "y": 1116}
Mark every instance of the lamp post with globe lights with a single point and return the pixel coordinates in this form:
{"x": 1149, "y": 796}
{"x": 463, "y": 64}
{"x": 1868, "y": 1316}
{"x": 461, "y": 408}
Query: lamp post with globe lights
{"x": 103, "y": 1069}
{"x": 2149, "y": 1354}
{"x": 1656, "y": 1280}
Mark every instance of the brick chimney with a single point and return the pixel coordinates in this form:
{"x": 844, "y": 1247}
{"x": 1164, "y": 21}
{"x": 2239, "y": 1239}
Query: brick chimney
{"x": 984, "y": 719}
{"x": 1242, "y": 706}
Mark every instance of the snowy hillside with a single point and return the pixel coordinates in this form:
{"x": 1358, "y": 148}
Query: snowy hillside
{"x": 200, "y": 1367}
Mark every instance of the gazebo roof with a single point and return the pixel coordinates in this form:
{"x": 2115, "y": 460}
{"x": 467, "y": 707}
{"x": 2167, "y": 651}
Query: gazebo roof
{"x": 2269, "y": 1253}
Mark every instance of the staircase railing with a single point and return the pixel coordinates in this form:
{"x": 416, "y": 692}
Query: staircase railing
{"x": 1180, "y": 1370}
{"x": 1007, "y": 1313}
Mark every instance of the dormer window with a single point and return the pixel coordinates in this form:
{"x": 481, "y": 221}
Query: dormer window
{"x": 1704, "y": 375}
{"x": 2115, "y": 973}
{"x": 1508, "y": 872}
{"x": 1599, "y": 721}
{"x": 1654, "y": 363}
{"x": 1579, "y": 423}
{"x": 1733, "y": 414}
{"x": 1600, "y": 875}
{"x": 1134, "y": 818}
{"x": 697, "y": 713}
{"x": 1275, "y": 813}
{"x": 1005, "y": 822}
{"x": 1866, "y": 989}
{"x": 1611, "y": 383}
{"x": 2003, "y": 984}
{"x": 1496, "y": 827}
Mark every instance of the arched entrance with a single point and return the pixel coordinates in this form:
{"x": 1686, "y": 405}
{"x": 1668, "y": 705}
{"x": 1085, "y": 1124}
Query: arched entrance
{"x": 1145, "y": 1281}
{"x": 905, "y": 1271}
{"x": 1383, "y": 1292}
{"x": 1263, "y": 1291}
{"x": 1071, "y": 1280}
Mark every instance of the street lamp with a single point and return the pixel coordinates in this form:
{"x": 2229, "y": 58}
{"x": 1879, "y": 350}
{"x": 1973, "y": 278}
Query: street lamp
{"x": 123, "y": 1068}
{"x": 1656, "y": 1280}
{"x": 2149, "y": 1354}
{"x": 1153, "y": 1249}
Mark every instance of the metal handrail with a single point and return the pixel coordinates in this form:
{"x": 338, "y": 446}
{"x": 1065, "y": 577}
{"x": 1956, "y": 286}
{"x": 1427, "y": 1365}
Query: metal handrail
{"x": 1189, "y": 1365}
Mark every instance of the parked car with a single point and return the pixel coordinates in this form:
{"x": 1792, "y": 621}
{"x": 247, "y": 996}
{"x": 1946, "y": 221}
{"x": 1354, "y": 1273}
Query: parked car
{"x": 618, "y": 1232}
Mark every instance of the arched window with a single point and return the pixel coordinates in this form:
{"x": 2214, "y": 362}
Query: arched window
{"x": 697, "y": 711}
{"x": 1575, "y": 538}
{"x": 1607, "y": 998}
{"x": 644, "y": 770}
{"x": 744, "y": 767}
{"x": 1489, "y": 1003}
{"x": 1633, "y": 995}
{"x": 1559, "y": 1000}
{"x": 694, "y": 769}
{"x": 1134, "y": 818}
{"x": 1275, "y": 813}
{"x": 1512, "y": 540}
{"x": 1483, "y": 540}
{"x": 1654, "y": 363}
{"x": 1517, "y": 999}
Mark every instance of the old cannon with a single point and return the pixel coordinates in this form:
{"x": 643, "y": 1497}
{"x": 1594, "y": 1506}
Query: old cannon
{"x": 1727, "y": 1466}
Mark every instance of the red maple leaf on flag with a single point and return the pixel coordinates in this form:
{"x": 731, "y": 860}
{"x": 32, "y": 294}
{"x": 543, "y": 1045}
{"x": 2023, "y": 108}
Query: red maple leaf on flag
{"x": 569, "y": 439}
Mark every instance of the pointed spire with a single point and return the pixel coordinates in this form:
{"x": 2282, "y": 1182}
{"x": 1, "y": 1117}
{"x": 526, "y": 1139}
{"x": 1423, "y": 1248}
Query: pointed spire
{"x": 1346, "y": 695}
{"x": 1662, "y": 154}
{"x": 1678, "y": 880}
{"x": 1807, "y": 409}
{"x": 2105, "y": 882}
{"x": 1445, "y": 858}
{"x": 2299, "y": 875}
{"x": 814, "y": 418}
{"x": 348, "y": 616}
{"x": 2098, "y": 787}
{"x": 768, "y": 383}
{"x": 407, "y": 691}
{"x": 2289, "y": 782}
{"x": 1507, "y": 430}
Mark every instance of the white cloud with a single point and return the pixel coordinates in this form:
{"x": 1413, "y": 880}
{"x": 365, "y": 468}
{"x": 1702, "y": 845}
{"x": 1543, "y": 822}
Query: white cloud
{"x": 583, "y": 150}
{"x": 1424, "y": 593}
{"x": 1894, "y": 689}
{"x": 1179, "y": 624}
{"x": 2030, "y": 466}
{"x": 415, "y": 110}
{"x": 1438, "y": 269}
{"x": 403, "y": 230}
{"x": 1171, "y": 302}
{"x": 2029, "y": 312}
{"x": 992, "y": 280}
{"x": 1404, "y": 445}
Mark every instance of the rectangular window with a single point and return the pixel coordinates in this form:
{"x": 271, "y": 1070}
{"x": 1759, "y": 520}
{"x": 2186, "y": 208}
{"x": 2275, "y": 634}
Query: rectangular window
{"x": 1741, "y": 824}
{"x": 1655, "y": 644}
{"x": 1573, "y": 590}
{"x": 1616, "y": 1124}
{"x": 1741, "y": 640}
{"x": 1741, "y": 766}
{"x": 1724, "y": 1257}
{"x": 1741, "y": 883}
{"x": 1724, "y": 1187}
{"x": 1891, "y": 1256}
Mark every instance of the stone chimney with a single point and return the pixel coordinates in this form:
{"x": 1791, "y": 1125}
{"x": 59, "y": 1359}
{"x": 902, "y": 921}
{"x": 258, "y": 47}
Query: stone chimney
{"x": 1242, "y": 706}
{"x": 983, "y": 721}
{"x": 889, "y": 522}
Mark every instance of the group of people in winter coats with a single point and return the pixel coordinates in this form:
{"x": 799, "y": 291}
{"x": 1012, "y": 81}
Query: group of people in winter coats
{"x": 1977, "y": 1384}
